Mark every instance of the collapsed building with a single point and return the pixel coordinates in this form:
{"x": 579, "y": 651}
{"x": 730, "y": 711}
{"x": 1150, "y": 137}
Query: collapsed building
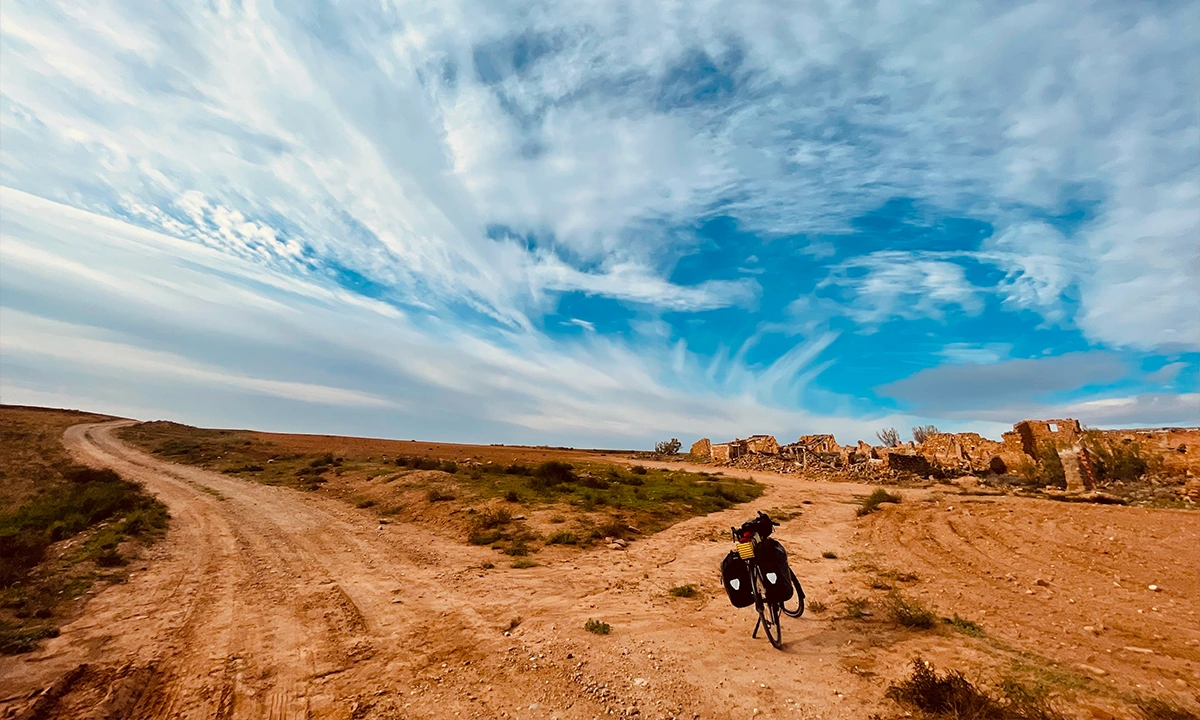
{"x": 1175, "y": 451}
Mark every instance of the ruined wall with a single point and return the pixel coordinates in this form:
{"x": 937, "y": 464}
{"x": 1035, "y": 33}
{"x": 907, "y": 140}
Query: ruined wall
{"x": 722, "y": 453}
{"x": 969, "y": 452}
{"x": 702, "y": 448}
{"x": 1077, "y": 467}
{"x": 820, "y": 443}
{"x": 1177, "y": 448}
{"x": 1062, "y": 433}
{"x": 761, "y": 444}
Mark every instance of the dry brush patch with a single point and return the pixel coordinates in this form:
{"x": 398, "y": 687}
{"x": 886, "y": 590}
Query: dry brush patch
{"x": 590, "y": 498}
{"x": 63, "y": 527}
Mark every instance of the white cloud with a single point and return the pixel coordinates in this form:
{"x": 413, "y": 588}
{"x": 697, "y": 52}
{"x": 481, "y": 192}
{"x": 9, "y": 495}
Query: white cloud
{"x": 189, "y": 315}
{"x": 1040, "y": 266}
{"x": 594, "y": 127}
{"x": 890, "y": 284}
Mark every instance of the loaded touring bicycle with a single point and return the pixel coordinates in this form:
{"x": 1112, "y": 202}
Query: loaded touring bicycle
{"x": 757, "y": 573}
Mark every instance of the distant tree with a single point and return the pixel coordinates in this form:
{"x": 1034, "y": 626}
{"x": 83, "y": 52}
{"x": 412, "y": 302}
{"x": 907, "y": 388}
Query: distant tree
{"x": 922, "y": 433}
{"x": 668, "y": 447}
{"x": 890, "y": 437}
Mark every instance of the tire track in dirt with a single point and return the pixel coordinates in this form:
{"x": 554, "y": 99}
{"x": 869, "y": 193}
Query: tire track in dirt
{"x": 1069, "y": 582}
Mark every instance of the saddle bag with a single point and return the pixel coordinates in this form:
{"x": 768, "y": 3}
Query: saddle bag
{"x": 772, "y": 560}
{"x": 735, "y": 576}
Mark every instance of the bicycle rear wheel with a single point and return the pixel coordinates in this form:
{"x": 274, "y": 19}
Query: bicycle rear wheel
{"x": 768, "y": 612}
{"x": 799, "y": 595}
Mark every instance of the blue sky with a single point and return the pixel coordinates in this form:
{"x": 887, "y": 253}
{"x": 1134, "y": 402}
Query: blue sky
{"x": 602, "y": 223}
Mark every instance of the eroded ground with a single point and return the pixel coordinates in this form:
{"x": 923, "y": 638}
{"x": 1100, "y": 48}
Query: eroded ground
{"x": 274, "y": 602}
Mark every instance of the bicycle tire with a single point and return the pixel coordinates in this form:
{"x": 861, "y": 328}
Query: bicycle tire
{"x": 768, "y": 612}
{"x": 799, "y": 594}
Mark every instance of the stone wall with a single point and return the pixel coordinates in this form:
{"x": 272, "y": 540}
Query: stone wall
{"x": 702, "y": 448}
{"x": 761, "y": 444}
{"x": 1178, "y": 448}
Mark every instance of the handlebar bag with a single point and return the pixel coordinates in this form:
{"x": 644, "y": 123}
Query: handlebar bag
{"x": 772, "y": 560}
{"x": 735, "y": 576}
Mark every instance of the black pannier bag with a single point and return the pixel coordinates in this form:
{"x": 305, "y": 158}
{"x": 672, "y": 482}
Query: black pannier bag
{"x": 772, "y": 560}
{"x": 735, "y": 576}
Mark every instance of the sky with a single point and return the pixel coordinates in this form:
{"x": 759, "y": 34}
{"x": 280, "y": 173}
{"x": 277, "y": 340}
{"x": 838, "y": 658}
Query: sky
{"x": 602, "y": 224}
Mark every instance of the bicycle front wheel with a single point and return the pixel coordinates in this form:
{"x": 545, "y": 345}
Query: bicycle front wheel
{"x": 768, "y": 612}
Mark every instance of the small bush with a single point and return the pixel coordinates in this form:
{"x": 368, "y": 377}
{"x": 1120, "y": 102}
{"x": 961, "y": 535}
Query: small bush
{"x": 553, "y": 473}
{"x": 921, "y": 433}
{"x": 518, "y": 548}
{"x": 449, "y": 466}
{"x": 829, "y": 555}
{"x": 816, "y": 606}
{"x": 483, "y": 537}
{"x": 425, "y": 463}
{"x": 597, "y": 627}
{"x": 684, "y": 591}
{"x": 17, "y": 640}
{"x": 964, "y": 626}
{"x": 909, "y": 613}
{"x": 512, "y": 496}
{"x": 518, "y": 469}
{"x": 364, "y": 504}
{"x": 513, "y": 624}
{"x": 952, "y": 696}
{"x": 110, "y": 558}
{"x": 855, "y": 608}
{"x": 872, "y": 502}
{"x": 668, "y": 447}
{"x": 323, "y": 461}
{"x": 493, "y": 518}
{"x": 523, "y": 562}
{"x": 439, "y": 495}
{"x": 890, "y": 437}
{"x": 563, "y": 538}
{"x": 638, "y": 470}
{"x": 1118, "y": 461}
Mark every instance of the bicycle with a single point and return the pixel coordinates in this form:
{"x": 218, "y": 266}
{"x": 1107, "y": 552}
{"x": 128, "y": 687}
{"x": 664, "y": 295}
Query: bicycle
{"x": 750, "y": 542}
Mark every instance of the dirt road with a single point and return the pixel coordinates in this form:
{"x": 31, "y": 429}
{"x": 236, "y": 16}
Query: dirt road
{"x": 272, "y": 603}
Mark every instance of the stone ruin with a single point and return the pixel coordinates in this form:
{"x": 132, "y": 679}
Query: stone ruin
{"x": 948, "y": 454}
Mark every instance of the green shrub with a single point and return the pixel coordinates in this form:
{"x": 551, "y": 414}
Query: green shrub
{"x": 964, "y": 626}
{"x": 816, "y": 606}
{"x": 638, "y": 470}
{"x": 88, "y": 499}
{"x": 552, "y": 473}
{"x": 1118, "y": 461}
{"x": 436, "y": 494}
{"x": 855, "y": 608}
{"x": 909, "y": 613}
{"x": 563, "y": 537}
{"x": 449, "y": 466}
{"x": 872, "y": 502}
{"x": 22, "y": 639}
{"x": 952, "y": 696}
{"x": 523, "y": 562}
{"x": 829, "y": 555}
{"x": 684, "y": 591}
{"x": 597, "y": 627}
{"x": 480, "y": 536}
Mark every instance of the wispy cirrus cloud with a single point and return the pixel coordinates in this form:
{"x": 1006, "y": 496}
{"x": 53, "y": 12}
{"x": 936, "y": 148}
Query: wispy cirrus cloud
{"x": 359, "y": 158}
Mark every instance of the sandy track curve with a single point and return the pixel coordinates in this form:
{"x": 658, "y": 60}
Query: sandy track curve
{"x": 267, "y": 602}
